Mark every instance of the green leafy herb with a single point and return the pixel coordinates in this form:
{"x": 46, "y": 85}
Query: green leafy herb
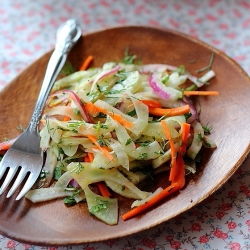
{"x": 78, "y": 168}
{"x": 207, "y": 129}
{"x": 102, "y": 205}
{"x": 99, "y": 125}
{"x": 144, "y": 144}
{"x": 203, "y": 139}
{"x": 101, "y": 141}
{"x": 63, "y": 129}
{"x": 132, "y": 113}
{"x": 128, "y": 59}
{"x": 101, "y": 115}
{"x": 43, "y": 174}
{"x": 165, "y": 79}
{"x": 58, "y": 171}
{"x": 20, "y": 127}
{"x": 181, "y": 70}
{"x": 209, "y": 66}
{"x": 188, "y": 115}
{"x": 143, "y": 156}
{"x": 128, "y": 141}
{"x": 70, "y": 200}
{"x": 77, "y": 111}
{"x": 67, "y": 69}
{"x": 159, "y": 153}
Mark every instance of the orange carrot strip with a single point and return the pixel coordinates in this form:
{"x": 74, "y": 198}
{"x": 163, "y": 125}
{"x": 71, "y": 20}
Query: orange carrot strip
{"x": 201, "y": 93}
{"x": 152, "y": 103}
{"x": 104, "y": 150}
{"x": 169, "y": 112}
{"x": 184, "y": 136}
{"x": 157, "y": 198}
{"x": 86, "y": 159}
{"x": 179, "y": 176}
{"x": 173, "y": 151}
{"x": 103, "y": 189}
{"x": 91, "y": 156}
{"x": 94, "y": 110}
{"x": 66, "y": 118}
{"x": 87, "y": 62}
{"x": 5, "y": 145}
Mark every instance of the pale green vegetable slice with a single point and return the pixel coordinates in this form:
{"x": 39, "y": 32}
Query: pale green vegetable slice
{"x": 104, "y": 208}
{"x": 85, "y": 175}
{"x": 196, "y": 145}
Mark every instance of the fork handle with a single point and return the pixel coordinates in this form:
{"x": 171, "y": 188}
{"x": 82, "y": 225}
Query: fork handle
{"x": 67, "y": 35}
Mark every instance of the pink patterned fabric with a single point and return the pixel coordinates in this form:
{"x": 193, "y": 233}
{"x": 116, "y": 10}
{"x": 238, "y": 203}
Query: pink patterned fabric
{"x": 27, "y": 31}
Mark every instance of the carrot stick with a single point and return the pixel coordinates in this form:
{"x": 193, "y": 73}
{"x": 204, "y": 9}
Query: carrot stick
{"x": 157, "y": 198}
{"x": 169, "y": 112}
{"x": 152, "y": 103}
{"x": 188, "y": 93}
{"x": 173, "y": 151}
{"x": 179, "y": 176}
{"x": 87, "y": 62}
{"x": 5, "y": 145}
{"x": 103, "y": 149}
{"x": 66, "y": 118}
{"x": 86, "y": 159}
{"x": 94, "y": 110}
{"x": 184, "y": 136}
{"x": 91, "y": 156}
{"x": 101, "y": 185}
{"x": 103, "y": 189}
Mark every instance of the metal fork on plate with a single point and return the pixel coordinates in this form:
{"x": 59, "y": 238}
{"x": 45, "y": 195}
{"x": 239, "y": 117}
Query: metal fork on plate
{"x": 25, "y": 154}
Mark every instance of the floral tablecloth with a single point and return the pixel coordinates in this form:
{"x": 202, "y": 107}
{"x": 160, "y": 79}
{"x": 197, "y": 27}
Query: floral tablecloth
{"x": 27, "y": 30}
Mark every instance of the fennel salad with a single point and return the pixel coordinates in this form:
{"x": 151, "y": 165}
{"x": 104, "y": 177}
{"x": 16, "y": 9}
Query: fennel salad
{"x": 107, "y": 130}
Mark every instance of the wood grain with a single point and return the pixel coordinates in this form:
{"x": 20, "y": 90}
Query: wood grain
{"x": 53, "y": 223}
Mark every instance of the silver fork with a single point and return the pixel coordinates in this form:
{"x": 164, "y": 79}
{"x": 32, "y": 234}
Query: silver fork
{"x": 25, "y": 154}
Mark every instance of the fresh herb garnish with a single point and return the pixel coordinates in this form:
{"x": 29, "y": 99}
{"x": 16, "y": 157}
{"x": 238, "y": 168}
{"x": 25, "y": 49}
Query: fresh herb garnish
{"x": 128, "y": 59}
{"x": 99, "y": 125}
{"x": 207, "y": 129}
{"x": 132, "y": 113}
{"x": 143, "y": 156}
{"x": 209, "y": 66}
{"x": 102, "y": 205}
{"x": 58, "y": 171}
{"x": 70, "y": 200}
{"x": 203, "y": 139}
{"x": 67, "y": 69}
{"x": 128, "y": 141}
{"x": 20, "y": 127}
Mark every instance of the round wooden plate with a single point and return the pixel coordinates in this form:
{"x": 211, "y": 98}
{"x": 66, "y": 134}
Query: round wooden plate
{"x": 52, "y": 223}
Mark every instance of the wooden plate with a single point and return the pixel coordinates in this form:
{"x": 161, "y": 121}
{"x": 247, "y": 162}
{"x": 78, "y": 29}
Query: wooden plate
{"x": 52, "y": 223}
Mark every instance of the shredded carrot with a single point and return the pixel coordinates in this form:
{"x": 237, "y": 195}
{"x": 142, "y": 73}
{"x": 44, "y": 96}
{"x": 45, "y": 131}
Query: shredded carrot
{"x": 172, "y": 147}
{"x": 103, "y": 149}
{"x": 184, "y": 136}
{"x": 86, "y": 159}
{"x": 201, "y": 93}
{"x": 103, "y": 189}
{"x": 91, "y": 156}
{"x": 101, "y": 185}
{"x": 152, "y": 103}
{"x": 66, "y": 118}
{"x": 169, "y": 112}
{"x": 156, "y": 199}
{"x": 5, "y": 145}
{"x": 87, "y": 62}
{"x": 95, "y": 110}
{"x": 177, "y": 172}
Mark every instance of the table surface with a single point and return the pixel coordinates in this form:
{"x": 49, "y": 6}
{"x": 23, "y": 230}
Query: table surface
{"x": 27, "y": 31}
